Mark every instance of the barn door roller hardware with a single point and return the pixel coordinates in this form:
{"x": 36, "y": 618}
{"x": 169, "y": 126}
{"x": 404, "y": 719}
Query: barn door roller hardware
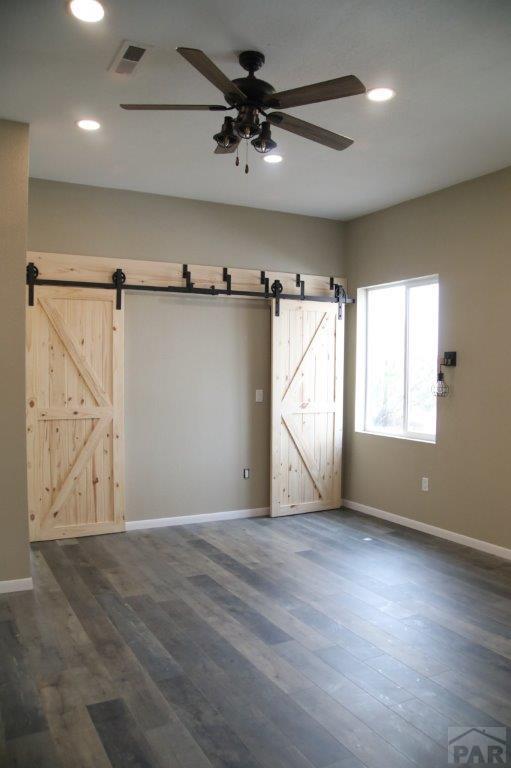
{"x": 340, "y": 296}
{"x": 119, "y": 285}
{"x": 119, "y": 279}
{"x": 276, "y": 290}
{"x": 32, "y": 275}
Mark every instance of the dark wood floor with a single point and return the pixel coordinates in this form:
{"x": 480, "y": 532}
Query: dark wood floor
{"x": 329, "y": 640}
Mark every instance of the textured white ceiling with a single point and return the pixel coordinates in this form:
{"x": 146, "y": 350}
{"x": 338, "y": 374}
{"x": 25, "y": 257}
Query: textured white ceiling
{"x": 448, "y": 60}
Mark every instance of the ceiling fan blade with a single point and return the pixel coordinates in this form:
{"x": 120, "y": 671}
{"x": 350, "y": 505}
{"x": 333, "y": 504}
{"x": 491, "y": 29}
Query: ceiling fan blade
{"x": 210, "y": 71}
{"x": 309, "y": 131}
{"x": 176, "y": 107}
{"x": 226, "y": 150}
{"x": 310, "y": 94}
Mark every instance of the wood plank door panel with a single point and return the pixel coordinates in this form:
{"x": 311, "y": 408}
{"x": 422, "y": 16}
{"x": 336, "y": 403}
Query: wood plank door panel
{"x": 75, "y": 418}
{"x": 307, "y": 390}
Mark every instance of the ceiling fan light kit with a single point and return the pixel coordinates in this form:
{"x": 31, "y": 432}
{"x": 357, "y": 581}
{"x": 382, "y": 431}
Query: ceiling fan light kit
{"x": 264, "y": 142}
{"x": 226, "y": 137}
{"x": 251, "y": 97}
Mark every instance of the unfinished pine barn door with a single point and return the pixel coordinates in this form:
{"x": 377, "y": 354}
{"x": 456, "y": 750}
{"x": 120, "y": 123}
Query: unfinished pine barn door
{"x": 75, "y": 429}
{"x": 307, "y": 386}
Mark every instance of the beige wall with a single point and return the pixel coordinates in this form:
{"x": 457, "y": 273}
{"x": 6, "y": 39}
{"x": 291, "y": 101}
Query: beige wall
{"x": 464, "y": 234}
{"x": 192, "y": 365}
{"x": 14, "y": 554}
{"x": 134, "y": 225}
{"x": 192, "y": 423}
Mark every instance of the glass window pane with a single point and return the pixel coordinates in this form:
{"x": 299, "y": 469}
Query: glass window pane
{"x": 385, "y": 359}
{"x": 422, "y": 357}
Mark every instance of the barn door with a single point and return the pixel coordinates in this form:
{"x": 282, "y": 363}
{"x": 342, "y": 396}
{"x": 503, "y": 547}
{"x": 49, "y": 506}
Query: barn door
{"x": 307, "y": 370}
{"x": 75, "y": 444}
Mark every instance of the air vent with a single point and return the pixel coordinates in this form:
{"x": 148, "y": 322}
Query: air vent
{"x": 128, "y": 57}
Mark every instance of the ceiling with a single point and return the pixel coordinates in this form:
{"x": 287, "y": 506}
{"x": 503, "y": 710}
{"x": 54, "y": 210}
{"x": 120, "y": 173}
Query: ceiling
{"x": 448, "y": 60}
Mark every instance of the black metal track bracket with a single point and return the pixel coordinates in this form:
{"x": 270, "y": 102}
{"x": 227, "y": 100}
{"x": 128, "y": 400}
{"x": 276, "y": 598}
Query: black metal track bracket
{"x": 276, "y": 290}
{"x": 32, "y": 273}
{"x": 301, "y": 285}
{"x": 266, "y": 282}
{"x": 227, "y": 278}
{"x": 188, "y": 277}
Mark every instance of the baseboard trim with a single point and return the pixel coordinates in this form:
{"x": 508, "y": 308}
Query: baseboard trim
{"x": 15, "y": 585}
{"x": 208, "y": 517}
{"x": 433, "y": 530}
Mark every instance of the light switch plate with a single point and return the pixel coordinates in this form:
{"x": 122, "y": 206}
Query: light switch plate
{"x": 259, "y": 395}
{"x": 425, "y": 484}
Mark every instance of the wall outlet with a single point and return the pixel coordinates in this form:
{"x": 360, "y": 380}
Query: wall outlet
{"x": 259, "y": 395}
{"x": 246, "y": 473}
{"x": 425, "y": 484}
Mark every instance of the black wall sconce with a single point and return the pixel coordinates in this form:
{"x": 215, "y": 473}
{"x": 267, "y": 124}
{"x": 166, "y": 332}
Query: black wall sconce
{"x": 441, "y": 389}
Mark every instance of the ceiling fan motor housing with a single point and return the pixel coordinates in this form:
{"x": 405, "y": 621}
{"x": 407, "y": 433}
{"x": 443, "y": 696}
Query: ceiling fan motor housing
{"x": 254, "y": 89}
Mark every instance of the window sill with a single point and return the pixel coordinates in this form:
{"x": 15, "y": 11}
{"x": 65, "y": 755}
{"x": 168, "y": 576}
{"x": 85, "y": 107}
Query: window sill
{"x": 422, "y": 440}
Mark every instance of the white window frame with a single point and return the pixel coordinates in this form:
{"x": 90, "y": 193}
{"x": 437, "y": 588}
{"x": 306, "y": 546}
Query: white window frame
{"x": 361, "y": 366}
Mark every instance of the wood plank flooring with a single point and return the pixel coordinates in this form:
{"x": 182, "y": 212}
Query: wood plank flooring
{"x": 329, "y": 640}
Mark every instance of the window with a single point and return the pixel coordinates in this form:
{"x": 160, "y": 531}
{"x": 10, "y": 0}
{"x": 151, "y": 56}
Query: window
{"x": 397, "y": 347}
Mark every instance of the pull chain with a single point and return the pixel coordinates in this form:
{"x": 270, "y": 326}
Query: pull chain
{"x": 237, "y": 162}
{"x": 246, "y": 157}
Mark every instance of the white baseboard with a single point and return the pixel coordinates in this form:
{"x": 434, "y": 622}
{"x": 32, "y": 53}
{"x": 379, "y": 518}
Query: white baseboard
{"x": 433, "y": 530}
{"x": 209, "y": 517}
{"x": 15, "y": 585}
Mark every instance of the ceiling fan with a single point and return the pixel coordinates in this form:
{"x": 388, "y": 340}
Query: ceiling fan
{"x": 251, "y": 97}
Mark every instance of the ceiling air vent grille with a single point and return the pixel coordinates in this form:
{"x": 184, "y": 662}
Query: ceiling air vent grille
{"x": 128, "y": 57}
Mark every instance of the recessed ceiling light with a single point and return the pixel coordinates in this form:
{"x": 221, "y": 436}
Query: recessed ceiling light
{"x": 273, "y": 158}
{"x": 87, "y": 10}
{"x": 380, "y": 94}
{"x": 88, "y": 125}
